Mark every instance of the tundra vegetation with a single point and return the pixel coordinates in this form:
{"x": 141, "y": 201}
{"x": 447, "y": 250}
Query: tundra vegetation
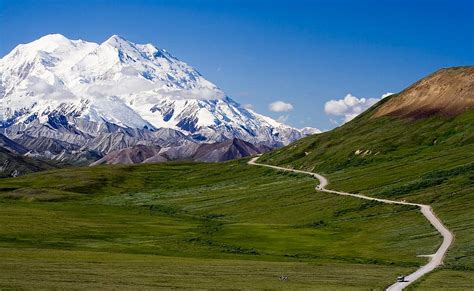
{"x": 199, "y": 225}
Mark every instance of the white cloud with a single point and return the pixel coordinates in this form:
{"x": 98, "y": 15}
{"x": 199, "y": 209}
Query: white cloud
{"x": 350, "y": 106}
{"x": 49, "y": 92}
{"x": 280, "y": 106}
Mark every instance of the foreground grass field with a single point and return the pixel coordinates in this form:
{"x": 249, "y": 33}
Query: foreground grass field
{"x": 47, "y": 269}
{"x": 199, "y": 225}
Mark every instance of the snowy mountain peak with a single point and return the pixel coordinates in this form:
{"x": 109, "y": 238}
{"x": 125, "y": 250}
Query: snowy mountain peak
{"x": 116, "y": 38}
{"x": 53, "y": 37}
{"x": 119, "y": 43}
{"x": 49, "y": 42}
{"x": 82, "y": 90}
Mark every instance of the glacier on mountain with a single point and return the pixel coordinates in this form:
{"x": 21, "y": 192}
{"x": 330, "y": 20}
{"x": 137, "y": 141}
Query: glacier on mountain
{"x": 119, "y": 94}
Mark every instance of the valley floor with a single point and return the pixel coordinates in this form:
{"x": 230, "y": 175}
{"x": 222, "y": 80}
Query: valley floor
{"x": 199, "y": 225}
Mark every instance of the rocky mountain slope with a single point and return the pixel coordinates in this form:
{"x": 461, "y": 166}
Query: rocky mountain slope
{"x": 12, "y": 146}
{"x": 13, "y": 164}
{"x": 73, "y": 99}
{"x": 132, "y": 155}
{"x": 203, "y": 152}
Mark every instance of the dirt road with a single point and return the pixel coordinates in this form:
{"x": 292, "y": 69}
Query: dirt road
{"x": 435, "y": 260}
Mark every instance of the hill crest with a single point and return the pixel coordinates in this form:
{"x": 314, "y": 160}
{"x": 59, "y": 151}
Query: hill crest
{"x": 447, "y": 92}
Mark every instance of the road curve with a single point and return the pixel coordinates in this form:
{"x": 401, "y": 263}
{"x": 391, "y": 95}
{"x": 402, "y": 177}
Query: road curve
{"x": 435, "y": 260}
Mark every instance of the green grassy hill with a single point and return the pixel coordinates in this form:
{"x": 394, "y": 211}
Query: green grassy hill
{"x": 426, "y": 160}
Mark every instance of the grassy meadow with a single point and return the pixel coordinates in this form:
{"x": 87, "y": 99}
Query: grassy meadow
{"x": 191, "y": 225}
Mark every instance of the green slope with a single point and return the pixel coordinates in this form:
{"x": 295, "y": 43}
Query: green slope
{"x": 428, "y": 160}
{"x": 194, "y": 219}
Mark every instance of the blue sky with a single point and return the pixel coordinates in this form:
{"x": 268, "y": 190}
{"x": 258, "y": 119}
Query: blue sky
{"x": 305, "y": 53}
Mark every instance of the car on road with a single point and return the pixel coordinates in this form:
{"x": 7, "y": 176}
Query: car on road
{"x": 401, "y": 278}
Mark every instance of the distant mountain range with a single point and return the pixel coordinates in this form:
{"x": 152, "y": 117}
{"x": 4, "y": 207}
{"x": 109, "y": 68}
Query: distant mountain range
{"x": 78, "y": 101}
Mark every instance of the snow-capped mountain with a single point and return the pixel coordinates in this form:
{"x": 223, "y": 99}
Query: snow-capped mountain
{"x": 84, "y": 96}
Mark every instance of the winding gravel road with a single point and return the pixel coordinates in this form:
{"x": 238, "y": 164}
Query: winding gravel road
{"x": 435, "y": 260}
